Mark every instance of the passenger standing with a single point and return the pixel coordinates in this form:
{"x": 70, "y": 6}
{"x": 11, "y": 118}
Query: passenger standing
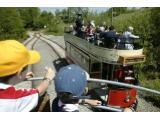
{"x": 70, "y": 83}
{"x": 129, "y": 38}
{"x": 14, "y": 57}
{"x": 79, "y": 23}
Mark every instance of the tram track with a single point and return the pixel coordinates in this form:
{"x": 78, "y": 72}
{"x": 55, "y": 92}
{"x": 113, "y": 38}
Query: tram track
{"x": 51, "y": 47}
{"x": 53, "y": 53}
{"x": 39, "y": 37}
{"x": 52, "y": 41}
{"x": 30, "y": 67}
{"x": 29, "y": 43}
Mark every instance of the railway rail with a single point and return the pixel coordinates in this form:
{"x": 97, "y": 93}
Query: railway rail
{"x": 62, "y": 47}
{"x": 40, "y": 37}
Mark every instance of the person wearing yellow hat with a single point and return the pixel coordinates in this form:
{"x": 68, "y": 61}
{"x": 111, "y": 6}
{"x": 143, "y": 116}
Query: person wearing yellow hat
{"x": 14, "y": 56}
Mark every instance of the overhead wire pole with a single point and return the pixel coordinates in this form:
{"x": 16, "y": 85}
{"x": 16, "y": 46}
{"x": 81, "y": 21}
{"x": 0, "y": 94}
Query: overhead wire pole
{"x": 68, "y": 14}
{"x": 112, "y": 16}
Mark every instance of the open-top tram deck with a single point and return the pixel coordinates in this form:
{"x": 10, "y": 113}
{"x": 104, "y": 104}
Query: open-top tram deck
{"x": 106, "y": 55}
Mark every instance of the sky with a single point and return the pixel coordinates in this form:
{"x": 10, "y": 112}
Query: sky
{"x": 52, "y": 9}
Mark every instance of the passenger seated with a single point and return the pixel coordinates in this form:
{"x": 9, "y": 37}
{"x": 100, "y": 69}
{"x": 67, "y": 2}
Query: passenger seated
{"x": 109, "y": 38}
{"x": 103, "y": 27}
{"x": 120, "y": 41}
{"x": 70, "y": 83}
{"x": 90, "y": 32}
{"x": 129, "y": 38}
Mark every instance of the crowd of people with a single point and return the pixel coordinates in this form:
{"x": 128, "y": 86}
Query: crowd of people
{"x": 104, "y": 35}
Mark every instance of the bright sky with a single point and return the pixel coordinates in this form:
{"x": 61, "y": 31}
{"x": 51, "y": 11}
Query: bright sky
{"x": 52, "y": 9}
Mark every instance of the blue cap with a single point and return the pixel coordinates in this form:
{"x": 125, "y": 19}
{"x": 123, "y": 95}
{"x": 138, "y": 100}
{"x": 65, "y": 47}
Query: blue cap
{"x": 72, "y": 79}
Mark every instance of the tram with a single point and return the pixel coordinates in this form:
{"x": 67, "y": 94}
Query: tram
{"x": 107, "y": 63}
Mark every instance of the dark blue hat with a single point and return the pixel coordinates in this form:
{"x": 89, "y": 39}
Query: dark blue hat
{"x": 72, "y": 79}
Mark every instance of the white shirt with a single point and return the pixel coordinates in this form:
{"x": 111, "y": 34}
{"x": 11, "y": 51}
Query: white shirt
{"x": 17, "y": 100}
{"x": 128, "y": 35}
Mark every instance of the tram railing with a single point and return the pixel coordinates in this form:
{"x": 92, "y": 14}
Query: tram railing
{"x": 109, "y": 82}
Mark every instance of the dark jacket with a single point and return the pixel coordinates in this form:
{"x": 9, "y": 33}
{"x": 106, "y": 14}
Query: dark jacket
{"x": 109, "y": 38}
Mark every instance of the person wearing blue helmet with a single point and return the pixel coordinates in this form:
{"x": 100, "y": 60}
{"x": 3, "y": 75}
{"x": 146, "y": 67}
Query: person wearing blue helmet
{"x": 70, "y": 83}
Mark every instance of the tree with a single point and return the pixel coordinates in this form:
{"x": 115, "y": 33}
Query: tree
{"x": 155, "y": 21}
{"x": 117, "y": 11}
{"x": 29, "y": 16}
{"x": 68, "y": 15}
{"x": 11, "y": 25}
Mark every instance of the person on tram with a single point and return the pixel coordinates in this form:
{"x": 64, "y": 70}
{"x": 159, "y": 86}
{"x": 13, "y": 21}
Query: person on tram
{"x": 90, "y": 32}
{"x": 129, "y": 36}
{"x": 104, "y": 27}
{"x": 14, "y": 58}
{"x": 78, "y": 25}
{"x": 109, "y": 38}
{"x": 70, "y": 83}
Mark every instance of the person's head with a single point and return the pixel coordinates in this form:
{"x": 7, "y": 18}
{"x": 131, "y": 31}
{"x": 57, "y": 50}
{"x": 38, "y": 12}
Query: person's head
{"x": 70, "y": 83}
{"x": 106, "y": 27}
{"x": 111, "y": 28}
{"x": 104, "y": 23}
{"x": 92, "y": 23}
{"x": 14, "y": 57}
{"x": 79, "y": 14}
{"x": 130, "y": 29}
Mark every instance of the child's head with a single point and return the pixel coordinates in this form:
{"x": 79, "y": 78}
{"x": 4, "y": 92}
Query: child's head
{"x": 70, "y": 83}
{"x": 14, "y": 57}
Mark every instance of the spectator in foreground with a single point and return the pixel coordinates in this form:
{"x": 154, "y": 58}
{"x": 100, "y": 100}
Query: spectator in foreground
{"x": 14, "y": 57}
{"x": 70, "y": 83}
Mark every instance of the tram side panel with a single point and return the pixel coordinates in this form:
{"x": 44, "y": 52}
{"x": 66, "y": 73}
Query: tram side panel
{"x": 74, "y": 55}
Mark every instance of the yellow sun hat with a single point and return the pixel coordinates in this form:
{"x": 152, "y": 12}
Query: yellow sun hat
{"x": 14, "y": 56}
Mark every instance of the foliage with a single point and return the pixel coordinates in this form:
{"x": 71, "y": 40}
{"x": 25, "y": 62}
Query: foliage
{"x": 68, "y": 15}
{"x": 29, "y": 16}
{"x": 11, "y": 26}
{"x": 155, "y": 20}
{"x": 140, "y": 20}
{"x": 14, "y": 22}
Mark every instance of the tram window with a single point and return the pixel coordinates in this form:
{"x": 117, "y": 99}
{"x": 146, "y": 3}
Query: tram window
{"x": 95, "y": 67}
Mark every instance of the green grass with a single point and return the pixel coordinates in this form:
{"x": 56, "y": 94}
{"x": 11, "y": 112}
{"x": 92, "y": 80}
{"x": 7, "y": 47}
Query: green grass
{"x": 58, "y": 30}
{"x": 152, "y": 84}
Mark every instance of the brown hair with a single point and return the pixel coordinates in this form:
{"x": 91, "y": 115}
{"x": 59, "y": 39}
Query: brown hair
{"x": 5, "y": 79}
